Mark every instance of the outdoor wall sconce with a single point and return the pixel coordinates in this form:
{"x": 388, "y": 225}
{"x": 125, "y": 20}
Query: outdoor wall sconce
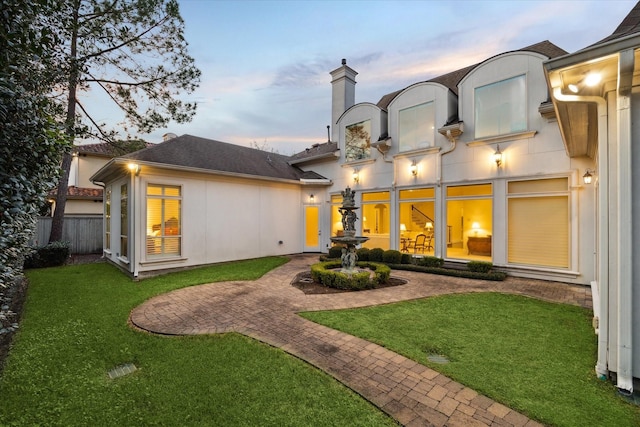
{"x": 134, "y": 168}
{"x": 497, "y": 156}
{"x": 414, "y": 169}
{"x": 356, "y": 176}
{"x": 311, "y": 198}
{"x": 588, "y": 176}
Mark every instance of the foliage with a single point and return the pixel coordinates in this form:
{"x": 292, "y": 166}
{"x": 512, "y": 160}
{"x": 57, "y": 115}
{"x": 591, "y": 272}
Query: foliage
{"x": 497, "y": 276}
{"x": 376, "y": 254}
{"x": 534, "y": 356}
{"x": 391, "y": 256}
{"x": 335, "y": 252}
{"x": 363, "y": 254}
{"x": 480, "y": 266}
{"x": 406, "y": 259}
{"x": 30, "y": 144}
{"x": 327, "y": 274}
{"x": 53, "y": 254}
{"x": 132, "y": 54}
{"x": 56, "y": 373}
{"x": 430, "y": 261}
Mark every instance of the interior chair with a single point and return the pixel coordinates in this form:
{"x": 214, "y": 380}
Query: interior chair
{"x": 430, "y": 242}
{"x": 420, "y": 244}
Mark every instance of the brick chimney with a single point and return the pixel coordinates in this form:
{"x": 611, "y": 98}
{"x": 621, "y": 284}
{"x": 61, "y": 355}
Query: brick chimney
{"x": 343, "y": 94}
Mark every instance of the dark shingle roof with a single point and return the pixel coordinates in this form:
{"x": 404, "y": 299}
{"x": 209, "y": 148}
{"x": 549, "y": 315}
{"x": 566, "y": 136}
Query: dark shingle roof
{"x": 316, "y": 151}
{"x": 103, "y": 149}
{"x": 629, "y": 25}
{"x": 452, "y": 79}
{"x": 207, "y": 154}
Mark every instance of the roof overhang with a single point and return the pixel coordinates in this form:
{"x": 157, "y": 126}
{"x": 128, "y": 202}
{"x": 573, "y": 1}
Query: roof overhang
{"x": 119, "y": 167}
{"x": 575, "y": 101}
{"x": 333, "y": 155}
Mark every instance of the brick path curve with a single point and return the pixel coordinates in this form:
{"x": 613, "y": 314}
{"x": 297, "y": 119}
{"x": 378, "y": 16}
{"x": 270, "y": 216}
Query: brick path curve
{"x": 409, "y": 392}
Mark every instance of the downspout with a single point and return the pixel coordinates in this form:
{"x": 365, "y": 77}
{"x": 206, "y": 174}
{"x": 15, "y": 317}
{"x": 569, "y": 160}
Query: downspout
{"x": 602, "y": 265}
{"x": 104, "y": 188}
{"x": 625, "y": 216}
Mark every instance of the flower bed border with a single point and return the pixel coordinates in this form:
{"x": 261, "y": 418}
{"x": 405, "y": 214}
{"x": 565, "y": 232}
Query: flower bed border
{"x": 326, "y": 273}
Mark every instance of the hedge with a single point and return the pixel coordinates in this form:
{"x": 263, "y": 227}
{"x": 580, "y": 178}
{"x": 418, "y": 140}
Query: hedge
{"x": 328, "y": 274}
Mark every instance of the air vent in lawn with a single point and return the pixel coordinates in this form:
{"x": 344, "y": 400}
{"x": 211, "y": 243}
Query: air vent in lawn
{"x": 122, "y": 370}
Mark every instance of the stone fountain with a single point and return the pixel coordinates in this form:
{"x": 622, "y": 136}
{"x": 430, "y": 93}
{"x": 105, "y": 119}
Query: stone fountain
{"x": 349, "y": 240}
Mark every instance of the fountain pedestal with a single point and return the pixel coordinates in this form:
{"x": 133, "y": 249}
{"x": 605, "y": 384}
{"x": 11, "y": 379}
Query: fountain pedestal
{"x": 349, "y": 240}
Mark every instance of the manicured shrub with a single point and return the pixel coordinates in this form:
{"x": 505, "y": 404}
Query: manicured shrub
{"x": 363, "y": 254}
{"x": 328, "y": 274}
{"x": 392, "y": 256}
{"x": 430, "y": 261}
{"x": 376, "y": 254}
{"x": 480, "y": 266}
{"x": 406, "y": 259}
{"x": 335, "y": 252}
{"x": 50, "y": 255}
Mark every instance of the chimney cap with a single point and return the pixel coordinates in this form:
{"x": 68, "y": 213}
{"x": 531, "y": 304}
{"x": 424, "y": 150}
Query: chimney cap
{"x": 344, "y": 61}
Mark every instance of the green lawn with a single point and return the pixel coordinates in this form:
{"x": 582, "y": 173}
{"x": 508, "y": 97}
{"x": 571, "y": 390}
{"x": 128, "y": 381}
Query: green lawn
{"x": 74, "y": 330}
{"x": 533, "y": 356}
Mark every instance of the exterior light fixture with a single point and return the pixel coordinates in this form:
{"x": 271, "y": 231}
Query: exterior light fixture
{"x": 356, "y": 176}
{"x": 573, "y": 88}
{"x": 588, "y": 176}
{"x": 414, "y": 169}
{"x": 312, "y": 198}
{"x": 592, "y": 79}
{"x": 134, "y": 168}
{"x": 497, "y": 156}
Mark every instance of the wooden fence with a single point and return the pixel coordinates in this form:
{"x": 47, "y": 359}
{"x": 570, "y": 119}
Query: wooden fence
{"x": 84, "y": 233}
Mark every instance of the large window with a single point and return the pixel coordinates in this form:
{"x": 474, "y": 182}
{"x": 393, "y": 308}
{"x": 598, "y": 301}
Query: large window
{"x": 500, "y": 108}
{"x": 376, "y": 219}
{"x": 164, "y": 216}
{"x": 416, "y": 127}
{"x": 336, "y": 217}
{"x": 107, "y": 219}
{"x": 538, "y": 222}
{"x": 417, "y": 220}
{"x": 358, "y": 141}
{"x": 470, "y": 222}
{"x": 124, "y": 221}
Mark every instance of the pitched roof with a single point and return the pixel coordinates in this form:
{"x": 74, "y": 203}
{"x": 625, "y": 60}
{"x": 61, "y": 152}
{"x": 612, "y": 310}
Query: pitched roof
{"x": 74, "y": 192}
{"x": 452, "y": 79}
{"x": 315, "y": 152}
{"x": 207, "y": 154}
{"x": 103, "y": 149}
{"x": 629, "y": 25}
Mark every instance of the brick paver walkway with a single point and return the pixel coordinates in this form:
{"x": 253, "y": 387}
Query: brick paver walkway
{"x": 409, "y": 392}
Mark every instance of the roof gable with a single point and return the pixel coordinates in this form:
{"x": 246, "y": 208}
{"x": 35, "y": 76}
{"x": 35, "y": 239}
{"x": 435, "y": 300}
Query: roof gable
{"x": 629, "y": 25}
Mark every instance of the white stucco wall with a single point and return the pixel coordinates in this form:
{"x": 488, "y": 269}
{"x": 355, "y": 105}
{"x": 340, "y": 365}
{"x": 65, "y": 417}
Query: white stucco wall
{"x": 223, "y": 219}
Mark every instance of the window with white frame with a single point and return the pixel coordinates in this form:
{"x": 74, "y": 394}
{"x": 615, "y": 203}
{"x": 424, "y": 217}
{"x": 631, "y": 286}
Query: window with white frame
{"x": 538, "y": 222}
{"x": 107, "y": 219}
{"x": 357, "y": 144}
{"x": 124, "y": 221}
{"x": 500, "y": 108}
{"x": 416, "y": 126}
{"x": 164, "y": 216}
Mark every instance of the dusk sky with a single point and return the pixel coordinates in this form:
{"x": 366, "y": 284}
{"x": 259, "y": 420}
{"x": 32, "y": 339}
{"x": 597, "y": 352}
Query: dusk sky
{"x": 265, "y": 64}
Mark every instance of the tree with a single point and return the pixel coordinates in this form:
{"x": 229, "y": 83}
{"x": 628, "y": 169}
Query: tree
{"x": 132, "y": 51}
{"x": 30, "y": 141}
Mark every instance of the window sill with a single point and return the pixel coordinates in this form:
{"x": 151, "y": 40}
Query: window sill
{"x": 359, "y": 162}
{"x": 163, "y": 261}
{"x": 502, "y": 138}
{"x": 418, "y": 152}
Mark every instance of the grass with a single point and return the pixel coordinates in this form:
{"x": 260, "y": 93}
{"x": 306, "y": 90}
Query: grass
{"x": 533, "y": 356}
{"x": 74, "y": 330}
